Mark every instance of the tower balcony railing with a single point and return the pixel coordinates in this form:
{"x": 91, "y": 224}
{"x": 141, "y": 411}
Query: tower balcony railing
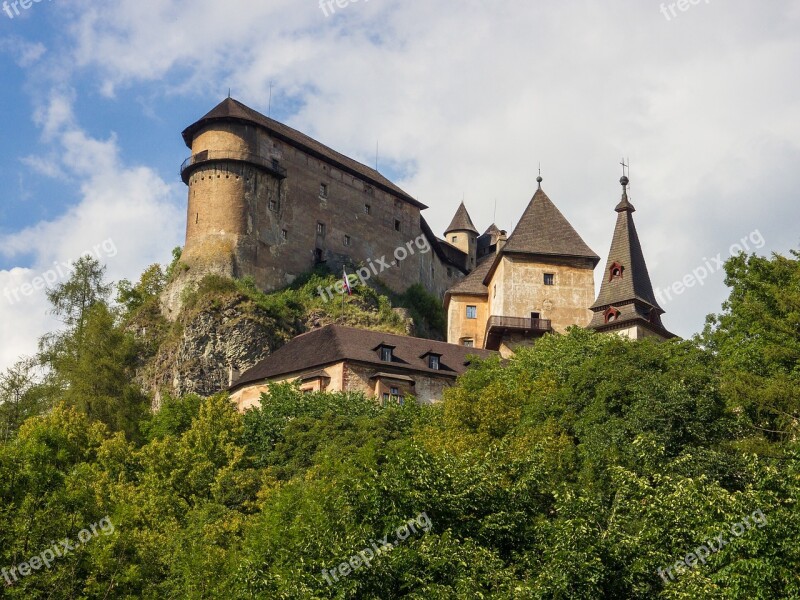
{"x": 271, "y": 166}
{"x": 520, "y": 323}
{"x": 498, "y": 327}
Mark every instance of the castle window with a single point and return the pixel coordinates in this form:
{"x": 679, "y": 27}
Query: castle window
{"x": 549, "y": 279}
{"x": 396, "y": 225}
{"x": 385, "y": 398}
{"x": 273, "y": 205}
{"x": 367, "y": 209}
{"x": 494, "y": 291}
{"x": 468, "y": 343}
{"x": 284, "y": 235}
{"x": 387, "y": 353}
{"x": 616, "y": 271}
{"x": 433, "y": 362}
{"x": 347, "y": 240}
{"x": 320, "y": 228}
{"x": 472, "y": 312}
{"x": 454, "y": 239}
{"x": 323, "y": 190}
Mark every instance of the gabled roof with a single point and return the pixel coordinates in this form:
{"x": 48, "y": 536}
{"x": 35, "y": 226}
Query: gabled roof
{"x": 233, "y": 110}
{"x": 544, "y": 230}
{"x": 461, "y": 221}
{"x": 626, "y": 250}
{"x": 335, "y": 343}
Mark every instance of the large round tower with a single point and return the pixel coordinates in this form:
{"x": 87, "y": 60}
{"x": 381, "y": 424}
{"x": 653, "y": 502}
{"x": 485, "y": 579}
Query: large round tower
{"x": 234, "y": 177}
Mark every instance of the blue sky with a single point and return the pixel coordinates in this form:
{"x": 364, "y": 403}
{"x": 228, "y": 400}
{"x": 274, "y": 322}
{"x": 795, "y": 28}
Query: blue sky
{"x": 466, "y": 98}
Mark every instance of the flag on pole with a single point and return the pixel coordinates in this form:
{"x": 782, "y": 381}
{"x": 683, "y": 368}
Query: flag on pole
{"x": 347, "y": 282}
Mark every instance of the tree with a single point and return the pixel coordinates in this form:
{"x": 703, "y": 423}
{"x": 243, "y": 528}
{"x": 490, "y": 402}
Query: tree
{"x": 22, "y": 395}
{"x": 96, "y": 372}
{"x": 73, "y": 298}
{"x": 757, "y": 338}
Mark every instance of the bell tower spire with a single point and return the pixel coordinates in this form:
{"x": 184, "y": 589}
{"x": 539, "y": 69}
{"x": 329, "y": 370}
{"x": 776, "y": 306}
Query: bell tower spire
{"x": 626, "y": 302}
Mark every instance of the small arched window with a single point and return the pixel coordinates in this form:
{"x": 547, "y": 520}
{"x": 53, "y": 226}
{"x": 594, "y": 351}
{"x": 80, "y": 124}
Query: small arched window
{"x": 616, "y": 271}
{"x": 611, "y": 314}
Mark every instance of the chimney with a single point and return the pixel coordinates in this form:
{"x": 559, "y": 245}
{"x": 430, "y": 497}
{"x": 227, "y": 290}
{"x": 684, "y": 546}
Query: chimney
{"x": 501, "y": 241}
{"x": 233, "y": 375}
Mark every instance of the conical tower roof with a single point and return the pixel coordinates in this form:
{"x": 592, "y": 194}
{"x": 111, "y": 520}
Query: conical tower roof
{"x": 461, "y": 222}
{"x": 626, "y": 251}
{"x": 544, "y": 230}
{"x": 626, "y": 286}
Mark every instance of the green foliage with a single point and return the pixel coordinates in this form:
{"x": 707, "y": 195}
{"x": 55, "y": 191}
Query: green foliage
{"x": 426, "y": 309}
{"x": 22, "y": 396}
{"x": 757, "y": 339}
{"x": 72, "y": 299}
{"x": 583, "y": 467}
{"x": 150, "y": 285}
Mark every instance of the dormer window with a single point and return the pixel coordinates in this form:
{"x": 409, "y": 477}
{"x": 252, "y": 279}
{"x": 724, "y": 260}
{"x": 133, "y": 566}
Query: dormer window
{"x": 386, "y": 353}
{"x": 434, "y": 360}
{"x": 611, "y": 314}
{"x": 615, "y": 271}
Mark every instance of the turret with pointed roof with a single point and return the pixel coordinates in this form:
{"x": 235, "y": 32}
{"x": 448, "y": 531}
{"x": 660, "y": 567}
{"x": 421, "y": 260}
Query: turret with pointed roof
{"x": 626, "y": 302}
{"x": 461, "y": 222}
{"x": 463, "y": 235}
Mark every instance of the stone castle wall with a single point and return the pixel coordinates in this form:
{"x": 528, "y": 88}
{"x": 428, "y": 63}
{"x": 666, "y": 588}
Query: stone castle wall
{"x": 243, "y": 220}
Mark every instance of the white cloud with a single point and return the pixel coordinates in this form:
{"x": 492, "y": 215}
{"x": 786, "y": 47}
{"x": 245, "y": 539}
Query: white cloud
{"x": 127, "y": 217}
{"x": 470, "y": 96}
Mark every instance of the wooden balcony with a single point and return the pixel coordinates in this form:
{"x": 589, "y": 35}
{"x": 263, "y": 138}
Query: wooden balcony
{"x": 499, "y": 327}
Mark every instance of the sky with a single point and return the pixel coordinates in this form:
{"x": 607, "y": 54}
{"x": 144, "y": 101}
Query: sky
{"x": 465, "y": 100}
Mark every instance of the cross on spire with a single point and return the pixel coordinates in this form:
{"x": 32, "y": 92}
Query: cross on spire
{"x": 626, "y": 169}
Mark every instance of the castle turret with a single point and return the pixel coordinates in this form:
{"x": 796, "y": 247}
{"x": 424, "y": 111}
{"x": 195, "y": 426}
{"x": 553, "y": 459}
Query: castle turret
{"x": 463, "y": 235}
{"x": 626, "y": 303}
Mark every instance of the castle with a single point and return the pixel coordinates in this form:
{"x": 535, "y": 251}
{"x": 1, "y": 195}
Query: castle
{"x": 269, "y": 202}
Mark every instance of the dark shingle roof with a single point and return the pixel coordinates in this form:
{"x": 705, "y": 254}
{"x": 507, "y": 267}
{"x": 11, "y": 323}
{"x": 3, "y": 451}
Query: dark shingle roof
{"x": 233, "y": 110}
{"x": 461, "y": 221}
{"x": 627, "y": 251}
{"x": 336, "y": 343}
{"x": 473, "y": 284}
{"x": 632, "y": 294}
{"x": 544, "y": 230}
